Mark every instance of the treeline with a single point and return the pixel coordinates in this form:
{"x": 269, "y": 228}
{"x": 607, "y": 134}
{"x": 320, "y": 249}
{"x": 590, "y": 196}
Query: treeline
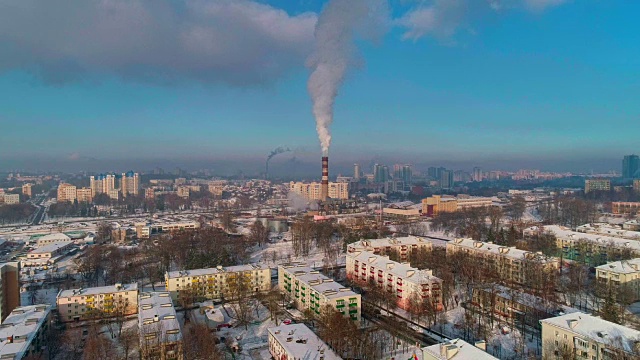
{"x": 14, "y": 213}
{"x": 568, "y": 211}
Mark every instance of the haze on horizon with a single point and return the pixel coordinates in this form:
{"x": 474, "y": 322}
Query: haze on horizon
{"x": 506, "y": 84}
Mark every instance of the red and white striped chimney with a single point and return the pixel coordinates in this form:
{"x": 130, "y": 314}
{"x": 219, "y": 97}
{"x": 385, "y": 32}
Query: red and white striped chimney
{"x": 324, "y": 185}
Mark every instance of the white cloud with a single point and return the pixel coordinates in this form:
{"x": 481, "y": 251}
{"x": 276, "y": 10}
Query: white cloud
{"x": 232, "y": 41}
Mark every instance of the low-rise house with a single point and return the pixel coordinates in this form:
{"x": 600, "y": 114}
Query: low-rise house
{"x": 625, "y": 273}
{"x": 48, "y": 254}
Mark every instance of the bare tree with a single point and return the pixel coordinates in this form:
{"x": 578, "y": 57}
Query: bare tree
{"x": 199, "y": 343}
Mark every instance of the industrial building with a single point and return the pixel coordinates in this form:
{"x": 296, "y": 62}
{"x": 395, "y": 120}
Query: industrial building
{"x": 296, "y": 341}
{"x": 436, "y": 204}
{"x": 97, "y": 302}
{"x": 215, "y": 283}
{"x": 309, "y": 289}
{"x": 24, "y": 333}
{"x": 160, "y": 333}
{"x": 405, "y": 282}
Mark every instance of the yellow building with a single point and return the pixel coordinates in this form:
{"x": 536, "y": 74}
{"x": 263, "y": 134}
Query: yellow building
{"x": 620, "y": 207}
{"x": 583, "y": 336}
{"x": 97, "y": 302}
{"x": 621, "y": 273}
{"x": 130, "y": 183}
{"x": 216, "y": 283}
{"x": 66, "y": 192}
{"x": 84, "y": 195}
{"x": 432, "y": 206}
{"x": 26, "y": 189}
{"x": 509, "y": 263}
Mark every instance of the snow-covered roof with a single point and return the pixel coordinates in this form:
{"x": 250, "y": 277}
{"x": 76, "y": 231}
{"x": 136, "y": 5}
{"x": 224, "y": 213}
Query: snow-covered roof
{"x": 216, "y": 270}
{"x": 456, "y": 349}
{"x": 301, "y": 343}
{"x": 22, "y": 323}
{"x": 318, "y": 282}
{"x": 384, "y": 242}
{"x": 401, "y": 270}
{"x": 54, "y": 237}
{"x": 157, "y": 314}
{"x": 622, "y": 267}
{"x": 98, "y": 290}
{"x": 609, "y": 230}
{"x": 51, "y": 247}
{"x": 510, "y": 252}
{"x": 568, "y": 234}
{"x": 596, "y": 329}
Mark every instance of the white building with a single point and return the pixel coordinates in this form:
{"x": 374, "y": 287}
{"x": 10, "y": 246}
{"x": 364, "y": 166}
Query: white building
{"x": 566, "y": 238}
{"x": 311, "y": 191}
{"x": 160, "y": 334}
{"x": 309, "y": 289}
{"x": 457, "y": 349}
{"x": 11, "y": 199}
{"x": 297, "y": 342}
{"x": 403, "y": 245}
{"x": 215, "y": 283}
{"x": 588, "y": 337}
{"x": 97, "y": 302}
{"x": 608, "y": 230}
{"x": 48, "y": 254}
{"x": 52, "y": 238}
{"x": 23, "y": 333}
{"x": 400, "y": 279}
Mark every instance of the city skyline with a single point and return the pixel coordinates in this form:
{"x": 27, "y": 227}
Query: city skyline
{"x": 492, "y": 86}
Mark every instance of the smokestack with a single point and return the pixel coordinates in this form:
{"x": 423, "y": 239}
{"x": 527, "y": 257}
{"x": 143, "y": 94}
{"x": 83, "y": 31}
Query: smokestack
{"x": 324, "y": 185}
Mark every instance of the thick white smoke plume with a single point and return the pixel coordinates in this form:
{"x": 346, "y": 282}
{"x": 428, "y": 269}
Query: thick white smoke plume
{"x": 340, "y": 22}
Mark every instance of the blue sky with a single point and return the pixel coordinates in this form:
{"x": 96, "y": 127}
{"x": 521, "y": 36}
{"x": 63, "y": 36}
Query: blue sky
{"x": 553, "y": 85}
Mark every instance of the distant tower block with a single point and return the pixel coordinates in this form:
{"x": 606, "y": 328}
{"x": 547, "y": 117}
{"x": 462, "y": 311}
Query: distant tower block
{"x": 324, "y": 187}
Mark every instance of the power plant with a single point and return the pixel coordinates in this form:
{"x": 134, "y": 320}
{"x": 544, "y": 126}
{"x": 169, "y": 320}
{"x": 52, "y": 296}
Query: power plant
{"x": 324, "y": 185}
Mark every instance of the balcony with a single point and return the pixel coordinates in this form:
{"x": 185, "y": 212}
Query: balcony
{"x": 339, "y": 306}
{"x": 353, "y": 311}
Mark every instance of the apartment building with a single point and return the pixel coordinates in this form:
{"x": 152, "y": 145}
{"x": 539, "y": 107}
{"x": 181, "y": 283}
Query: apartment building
{"x": 591, "y": 185}
{"x": 130, "y": 183}
{"x": 624, "y": 207}
{"x": 183, "y": 191}
{"x": 102, "y": 184}
{"x": 84, "y": 195}
{"x": 296, "y": 341}
{"x": 402, "y": 280}
{"x": 97, "y": 302}
{"x": 587, "y": 337}
{"x": 11, "y": 199}
{"x": 609, "y": 230}
{"x": 513, "y": 305}
{"x": 621, "y": 273}
{"x": 311, "y": 191}
{"x": 219, "y": 282}
{"x": 26, "y": 189}
{"x": 402, "y": 245}
{"x": 66, "y": 192}
{"x": 24, "y": 333}
{"x": 48, "y": 254}
{"x": 567, "y": 240}
{"x": 509, "y": 262}
{"x": 159, "y": 329}
{"x": 9, "y": 288}
{"x": 309, "y": 289}
{"x": 457, "y": 349}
